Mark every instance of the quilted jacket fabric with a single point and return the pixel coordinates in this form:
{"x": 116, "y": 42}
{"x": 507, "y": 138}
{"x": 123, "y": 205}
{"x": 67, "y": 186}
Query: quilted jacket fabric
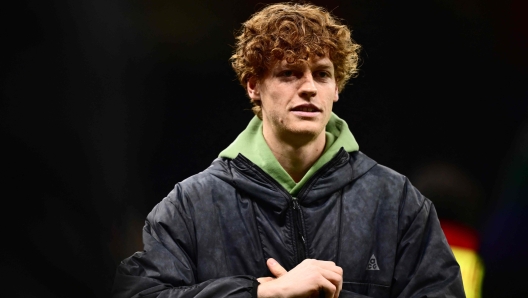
{"x": 211, "y": 236}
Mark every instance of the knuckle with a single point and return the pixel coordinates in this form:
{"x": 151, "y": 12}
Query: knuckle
{"x": 331, "y": 290}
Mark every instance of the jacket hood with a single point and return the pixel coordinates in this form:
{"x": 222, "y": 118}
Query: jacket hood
{"x": 252, "y": 145}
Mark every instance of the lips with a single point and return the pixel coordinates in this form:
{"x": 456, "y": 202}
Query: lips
{"x": 306, "y": 111}
{"x": 310, "y": 108}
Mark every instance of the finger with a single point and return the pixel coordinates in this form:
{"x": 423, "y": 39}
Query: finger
{"x": 333, "y": 277}
{"x": 275, "y": 268}
{"x": 340, "y": 287}
{"x": 338, "y": 290}
{"x": 328, "y": 288}
{"x": 329, "y": 265}
{"x": 337, "y": 280}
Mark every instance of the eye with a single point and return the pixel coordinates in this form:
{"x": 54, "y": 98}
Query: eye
{"x": 323, "y": 74}
{"x": 286, "y": 73}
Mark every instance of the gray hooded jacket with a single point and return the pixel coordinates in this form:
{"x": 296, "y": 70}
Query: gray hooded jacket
{"x": 211, "y": 236}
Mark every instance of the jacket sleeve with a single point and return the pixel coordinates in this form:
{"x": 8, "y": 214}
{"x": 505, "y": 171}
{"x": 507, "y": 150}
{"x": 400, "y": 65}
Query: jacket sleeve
{"x": 165, "y": 267}
{"x": 425, "y": 265}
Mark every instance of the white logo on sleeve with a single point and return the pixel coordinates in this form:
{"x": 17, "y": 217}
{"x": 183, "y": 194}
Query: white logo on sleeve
{"x": 372, "y": 263}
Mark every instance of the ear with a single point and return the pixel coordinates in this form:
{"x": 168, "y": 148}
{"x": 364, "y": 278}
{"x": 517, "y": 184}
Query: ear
{"x": 253, "y": 88}
{"x": 336, "y": 94}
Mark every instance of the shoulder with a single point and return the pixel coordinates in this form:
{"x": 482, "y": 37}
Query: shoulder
{"x": 216, "y": 178}
{"x": 389, "y": 185}
{"x": 374, "y": 175}
{"x": 197, "y": 189}
{"x": 218, "y": 172}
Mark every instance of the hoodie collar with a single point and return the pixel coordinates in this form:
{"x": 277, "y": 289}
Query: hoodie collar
{"x": 252, "y": 145}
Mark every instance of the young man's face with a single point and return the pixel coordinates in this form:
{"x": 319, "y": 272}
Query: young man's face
{"x": 296, "y": 99}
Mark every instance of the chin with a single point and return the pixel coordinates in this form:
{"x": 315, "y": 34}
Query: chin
{"x": 306, "y": 130}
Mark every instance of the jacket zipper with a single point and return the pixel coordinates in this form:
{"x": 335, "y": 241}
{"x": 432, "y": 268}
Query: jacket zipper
{"x": 298, "y": 226}
{"x": 300, "y": 240}
{"x": 298, "y": 231}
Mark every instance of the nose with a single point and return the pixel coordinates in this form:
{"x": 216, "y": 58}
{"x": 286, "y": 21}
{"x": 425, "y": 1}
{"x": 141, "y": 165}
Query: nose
{"x": 307, "y": 88}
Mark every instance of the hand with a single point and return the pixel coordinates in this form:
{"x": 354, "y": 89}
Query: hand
{"x": 305, "y": 280}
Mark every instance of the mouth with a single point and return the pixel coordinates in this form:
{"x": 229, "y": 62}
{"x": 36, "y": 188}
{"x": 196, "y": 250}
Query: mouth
{"x": 306, "y": 111}
{"x": 308, "y": 108}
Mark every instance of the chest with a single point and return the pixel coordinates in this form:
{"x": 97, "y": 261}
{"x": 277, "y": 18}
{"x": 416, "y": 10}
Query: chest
{"x": 235, "y": 236}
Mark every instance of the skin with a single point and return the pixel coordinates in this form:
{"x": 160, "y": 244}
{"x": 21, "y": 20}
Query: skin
{"x": 307, "y": 279}
{"x": 297, "y": 101}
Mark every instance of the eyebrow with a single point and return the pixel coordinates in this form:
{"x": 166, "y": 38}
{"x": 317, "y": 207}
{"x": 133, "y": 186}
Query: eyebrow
{"x": 317, "y": 65}
{"x": 323, "y": 66}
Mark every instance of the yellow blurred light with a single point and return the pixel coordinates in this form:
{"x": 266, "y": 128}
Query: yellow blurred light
{"x": 472, "y": 270}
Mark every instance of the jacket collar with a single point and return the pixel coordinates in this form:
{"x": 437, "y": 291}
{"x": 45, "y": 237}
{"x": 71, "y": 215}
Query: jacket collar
{"x": 248, "y": 178}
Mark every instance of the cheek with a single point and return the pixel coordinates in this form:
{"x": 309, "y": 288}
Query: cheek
{"x": 273, "y": 100}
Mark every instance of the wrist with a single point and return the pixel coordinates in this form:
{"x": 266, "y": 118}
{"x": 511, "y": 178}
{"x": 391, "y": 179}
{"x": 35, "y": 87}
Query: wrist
{"x": 267, "y": 290}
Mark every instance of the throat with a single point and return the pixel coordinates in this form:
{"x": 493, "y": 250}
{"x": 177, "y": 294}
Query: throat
{"x": 296, "y": 161}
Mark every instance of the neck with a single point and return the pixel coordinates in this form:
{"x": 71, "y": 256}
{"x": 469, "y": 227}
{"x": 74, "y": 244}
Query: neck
{"x": 296, "y": 157}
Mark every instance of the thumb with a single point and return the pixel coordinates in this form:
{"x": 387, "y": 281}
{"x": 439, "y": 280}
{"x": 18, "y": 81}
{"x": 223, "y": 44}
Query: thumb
{"x": 275, "y": 268}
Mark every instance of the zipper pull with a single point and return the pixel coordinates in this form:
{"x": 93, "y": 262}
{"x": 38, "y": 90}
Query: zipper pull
{"x": 295, "y": 203}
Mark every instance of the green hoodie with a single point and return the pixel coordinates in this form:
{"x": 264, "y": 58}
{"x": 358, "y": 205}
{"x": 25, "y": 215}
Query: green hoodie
{"x": 251, "y": 144}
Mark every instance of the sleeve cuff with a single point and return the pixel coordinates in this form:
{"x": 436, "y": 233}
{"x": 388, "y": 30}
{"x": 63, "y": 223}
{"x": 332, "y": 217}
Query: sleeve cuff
{"x": 254, "y": 291}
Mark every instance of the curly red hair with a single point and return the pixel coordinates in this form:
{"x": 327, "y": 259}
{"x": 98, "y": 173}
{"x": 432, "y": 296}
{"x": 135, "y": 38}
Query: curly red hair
{"x": 293, "y": 32}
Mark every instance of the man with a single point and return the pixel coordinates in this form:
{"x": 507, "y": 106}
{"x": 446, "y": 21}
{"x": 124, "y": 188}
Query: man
{"x": 291, "y": 208}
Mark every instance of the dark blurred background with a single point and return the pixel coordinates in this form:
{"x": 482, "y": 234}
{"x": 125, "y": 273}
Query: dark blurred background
{"x": 105, "y": 105}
